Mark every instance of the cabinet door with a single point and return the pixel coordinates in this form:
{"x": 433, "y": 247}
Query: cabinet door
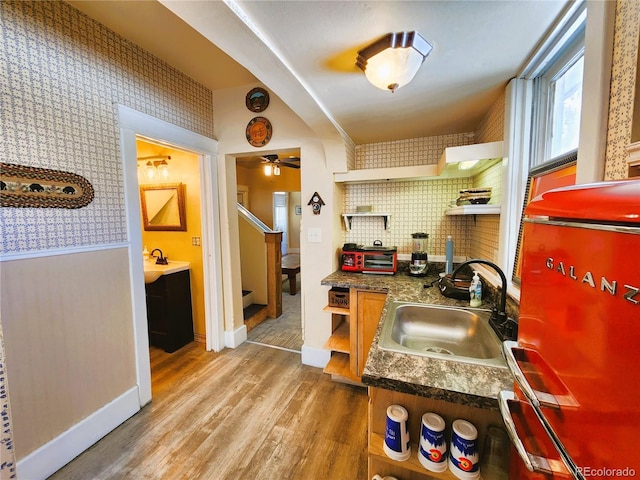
{"x": 370, "y": 306}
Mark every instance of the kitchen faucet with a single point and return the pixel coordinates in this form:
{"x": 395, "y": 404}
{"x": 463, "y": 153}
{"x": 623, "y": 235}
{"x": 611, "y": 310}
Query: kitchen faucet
{"x": 161, "y": 260}
{"x": 506, "y": 328}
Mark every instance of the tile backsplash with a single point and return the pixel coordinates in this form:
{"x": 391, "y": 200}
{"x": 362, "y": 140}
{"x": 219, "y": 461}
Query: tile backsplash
{"x": 415, "y": 206}
{"x": 419, "y": 206}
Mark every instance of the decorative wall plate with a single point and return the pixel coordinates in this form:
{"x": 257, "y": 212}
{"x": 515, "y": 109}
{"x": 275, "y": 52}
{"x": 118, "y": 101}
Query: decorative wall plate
{"x": 257, "y": 100}
{"x": 22, "y": 186}
{"x": 259, "y": 131}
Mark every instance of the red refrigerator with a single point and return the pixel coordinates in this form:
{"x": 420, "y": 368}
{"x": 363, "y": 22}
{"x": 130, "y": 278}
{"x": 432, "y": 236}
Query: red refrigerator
{"x": 575, "y": 408}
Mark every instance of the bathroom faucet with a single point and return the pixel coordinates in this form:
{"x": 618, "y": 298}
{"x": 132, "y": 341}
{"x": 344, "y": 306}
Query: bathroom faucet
{"x": 161, "y": 260}
{"x": 506, "y": 328}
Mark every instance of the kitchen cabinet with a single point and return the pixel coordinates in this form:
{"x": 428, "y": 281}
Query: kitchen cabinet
{"x": 412, "y": 469}
{"x": 353, "y": 330}
{"x": 169, "y": 311}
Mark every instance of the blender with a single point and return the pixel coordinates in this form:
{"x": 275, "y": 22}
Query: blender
{"x": 419, "y": 265}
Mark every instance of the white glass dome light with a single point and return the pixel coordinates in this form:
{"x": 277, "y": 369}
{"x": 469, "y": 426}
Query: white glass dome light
{"x": 393, "y": 61}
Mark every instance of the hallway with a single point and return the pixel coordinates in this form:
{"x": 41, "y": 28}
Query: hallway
{"x": 286, "y": 330}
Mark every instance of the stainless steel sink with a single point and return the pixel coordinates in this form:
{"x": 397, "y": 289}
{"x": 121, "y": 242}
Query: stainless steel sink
{"x": 437, "y": 331}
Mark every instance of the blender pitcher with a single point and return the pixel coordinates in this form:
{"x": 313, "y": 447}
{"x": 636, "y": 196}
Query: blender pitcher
{"x": 419, "y": 258}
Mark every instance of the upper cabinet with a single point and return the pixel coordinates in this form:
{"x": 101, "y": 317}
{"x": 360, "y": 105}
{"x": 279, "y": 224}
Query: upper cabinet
{"x": 463, "y": 161}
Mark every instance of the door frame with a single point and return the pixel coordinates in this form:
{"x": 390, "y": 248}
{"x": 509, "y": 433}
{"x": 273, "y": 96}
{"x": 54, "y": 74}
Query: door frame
{"x": 134, "y": 124}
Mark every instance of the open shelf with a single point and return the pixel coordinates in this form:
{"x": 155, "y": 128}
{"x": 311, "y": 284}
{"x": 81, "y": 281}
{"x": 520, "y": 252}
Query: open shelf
{"x": 336, "y": 310}
{"x": 474, "y": 210}
{"x": 338, "y": 365}
{"x": 339, "y": 339}
{"x": 348, "y": 217}
{"x": 413, "y": 464}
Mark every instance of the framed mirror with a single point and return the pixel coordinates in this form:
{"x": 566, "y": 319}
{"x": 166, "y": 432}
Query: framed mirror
{"x": 163, "y": 207}
{"x": 559, "y": 172}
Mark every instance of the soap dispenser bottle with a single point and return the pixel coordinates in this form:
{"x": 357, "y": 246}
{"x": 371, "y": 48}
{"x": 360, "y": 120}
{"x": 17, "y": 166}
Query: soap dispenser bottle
{"x": 145, "y": 254}
{"x": 475, "y": 291}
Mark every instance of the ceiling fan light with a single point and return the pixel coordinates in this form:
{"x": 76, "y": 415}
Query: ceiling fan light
{"x": 276, "y": 170}
{"x": 267, "y": 170}
{"x": 394, "y": 60}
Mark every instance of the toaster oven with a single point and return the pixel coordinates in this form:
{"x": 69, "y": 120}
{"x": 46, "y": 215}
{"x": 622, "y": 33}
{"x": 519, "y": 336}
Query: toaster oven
{"x": 381, "y": 260}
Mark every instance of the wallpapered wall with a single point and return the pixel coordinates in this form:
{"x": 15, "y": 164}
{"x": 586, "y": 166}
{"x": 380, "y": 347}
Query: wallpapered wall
{"x": 415, "y": 206}
{"x": 485, "y": 231}
{"x": 418, "y": 206}
{"x": 64, "y": 76}
{"x": 623, "y": 88}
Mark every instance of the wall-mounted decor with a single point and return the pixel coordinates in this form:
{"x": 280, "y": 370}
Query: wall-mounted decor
{"x": 316, "y": 203}
{"x": 257, "y": 100}
{"x": 22, "y": 186}
{"x": 259, "y": 131}
{"x": 163, "y": 207}
{"x": 298, "y": 209}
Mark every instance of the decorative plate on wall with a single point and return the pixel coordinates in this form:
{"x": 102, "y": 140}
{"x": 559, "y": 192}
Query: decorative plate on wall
{"x": 259, "y": 131}
{"x": 257, "y": 100}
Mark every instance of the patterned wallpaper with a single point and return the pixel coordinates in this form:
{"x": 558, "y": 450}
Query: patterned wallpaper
{"x": 485, "y": 232}
{"x": 415, "y": 206}
{"x": 62, "y": 76}
{"x": 623, "y": 77}
{"x": 407, "y": 153}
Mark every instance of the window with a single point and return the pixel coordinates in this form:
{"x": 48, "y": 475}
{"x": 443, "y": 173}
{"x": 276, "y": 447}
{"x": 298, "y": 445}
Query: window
{"x": 557, "y": 99}
{"x": 542, "y": 119}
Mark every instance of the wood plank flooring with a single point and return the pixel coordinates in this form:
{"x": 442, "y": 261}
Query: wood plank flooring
{"x": 252, "y": 412}
{"x": 286, "y": 330}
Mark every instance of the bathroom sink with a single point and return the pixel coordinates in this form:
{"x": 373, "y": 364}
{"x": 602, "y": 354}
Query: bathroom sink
{"x": 438, "y": 331}
{"x": 153, "y": 271}
{"x": 151, "y": 276}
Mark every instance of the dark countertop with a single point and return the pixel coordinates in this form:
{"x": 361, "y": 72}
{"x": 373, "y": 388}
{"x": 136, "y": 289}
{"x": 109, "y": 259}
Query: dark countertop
{"x": 441, "y": 379}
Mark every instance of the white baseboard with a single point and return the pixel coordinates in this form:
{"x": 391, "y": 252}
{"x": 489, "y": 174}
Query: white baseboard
{"x": 235, "y": 338}
{"x": 55, "y": 454}
{"x": 315, "y": 357}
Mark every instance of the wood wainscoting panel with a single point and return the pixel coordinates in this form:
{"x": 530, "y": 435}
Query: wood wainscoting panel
{"x": 68, "y": 332}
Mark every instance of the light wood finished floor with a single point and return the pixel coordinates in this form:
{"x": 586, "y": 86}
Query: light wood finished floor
{"x": 252, "y": 412}
{"x": 286, "y": 330}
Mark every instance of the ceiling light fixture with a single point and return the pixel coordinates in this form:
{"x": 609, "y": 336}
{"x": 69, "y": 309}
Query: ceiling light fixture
{"x": 267, "y": 169}
{"x": 394, "y": 60}
{"x": 276, "y": 170}
{"x": 467, "y": 165}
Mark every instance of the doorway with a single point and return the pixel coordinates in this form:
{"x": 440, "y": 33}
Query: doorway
{"x": 134, "y": 125}
{"x": 160, "y": 165}
{"x": 275, "y": 200}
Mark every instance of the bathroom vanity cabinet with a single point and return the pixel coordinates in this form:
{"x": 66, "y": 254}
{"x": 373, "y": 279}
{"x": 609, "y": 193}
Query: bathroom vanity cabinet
{"x": 169, "y": 311}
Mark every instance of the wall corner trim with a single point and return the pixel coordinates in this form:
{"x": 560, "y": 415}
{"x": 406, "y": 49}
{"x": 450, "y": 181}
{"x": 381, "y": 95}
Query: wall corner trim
{"x": 234, "y": 338}
{"x": 55, "y": 454}
{"x": 315, "y": 357}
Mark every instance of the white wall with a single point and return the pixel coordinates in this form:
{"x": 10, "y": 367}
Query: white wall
{"x": 317, "y": 259}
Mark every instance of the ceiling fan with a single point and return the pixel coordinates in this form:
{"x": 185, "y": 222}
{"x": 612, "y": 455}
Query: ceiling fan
{"x": 291, "y": 162}
{"x": 272, "y": 163}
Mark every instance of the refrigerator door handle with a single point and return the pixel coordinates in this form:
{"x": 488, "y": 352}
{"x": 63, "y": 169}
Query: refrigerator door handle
{"x": 558, "y": 397}
{"x": 503, "y": 397}
{"x": 534, "y": 463}
{"x": 508, "y": 348}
